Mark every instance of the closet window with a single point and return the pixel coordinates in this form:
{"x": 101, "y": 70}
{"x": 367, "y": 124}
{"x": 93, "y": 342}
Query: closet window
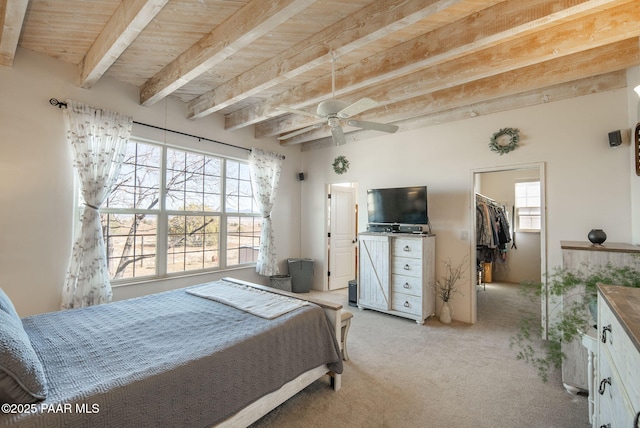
{"x": 528, "y": 211}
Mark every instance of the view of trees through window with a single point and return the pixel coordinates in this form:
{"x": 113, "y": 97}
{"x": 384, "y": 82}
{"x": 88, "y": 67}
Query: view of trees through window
{"x": 207, "y": 219}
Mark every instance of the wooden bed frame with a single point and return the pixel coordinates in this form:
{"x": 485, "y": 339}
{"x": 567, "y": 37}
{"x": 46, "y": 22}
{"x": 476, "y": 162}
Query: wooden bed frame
{"x": 264, "y": 405}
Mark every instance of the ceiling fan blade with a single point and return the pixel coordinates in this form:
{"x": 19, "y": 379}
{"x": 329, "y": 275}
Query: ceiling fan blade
{"x": 357, "y": 107}
{"x": 299, "y": 131}
{"x": 338, "y": 136}
{"x": 384, "y": 127}
{"x": 301, "y": 112}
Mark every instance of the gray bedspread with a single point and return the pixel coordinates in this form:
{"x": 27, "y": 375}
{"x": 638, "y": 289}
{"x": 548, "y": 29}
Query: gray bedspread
{"x": 168, "y": 360}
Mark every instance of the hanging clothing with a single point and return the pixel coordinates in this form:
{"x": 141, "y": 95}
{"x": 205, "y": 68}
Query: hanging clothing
{"x": 492, "y": 225}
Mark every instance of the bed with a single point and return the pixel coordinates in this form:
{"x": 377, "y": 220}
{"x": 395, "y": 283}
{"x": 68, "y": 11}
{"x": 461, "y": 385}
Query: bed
{"x": 177, "y": 358}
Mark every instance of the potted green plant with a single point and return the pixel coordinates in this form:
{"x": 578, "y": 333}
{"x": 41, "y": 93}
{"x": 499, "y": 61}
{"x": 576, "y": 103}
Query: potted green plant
{"x": 446, "y": 287}
{"x": 569, "y": 321}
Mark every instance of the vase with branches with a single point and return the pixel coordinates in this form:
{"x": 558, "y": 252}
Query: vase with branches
{"x": 447, "y": 286}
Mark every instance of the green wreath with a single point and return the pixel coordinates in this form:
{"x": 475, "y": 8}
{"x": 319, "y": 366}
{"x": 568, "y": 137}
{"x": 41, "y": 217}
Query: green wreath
{"x": 497, "y": 147}
{"x": 340, "y": 165}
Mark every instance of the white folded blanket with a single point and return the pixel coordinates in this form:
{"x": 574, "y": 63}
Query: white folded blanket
{"x": 249, "y": 299}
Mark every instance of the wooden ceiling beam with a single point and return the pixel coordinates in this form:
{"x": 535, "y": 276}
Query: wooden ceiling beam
{"x": 12, "y": 14}
{"x": 562, "y": 91}
{"x": 504, "y": 21}
{"x": 605, "y": 59}
{"x": 507, "y": 19}
{"x": 591, "y": 31}
{"x": 252, "y": 21}
{"x": 129, "y": 19}
{"x": 496, "y": 25}
{"x": 370, "y": 23}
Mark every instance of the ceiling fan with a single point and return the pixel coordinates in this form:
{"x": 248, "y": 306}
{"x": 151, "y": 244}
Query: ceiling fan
{"x": 335, "y": 113}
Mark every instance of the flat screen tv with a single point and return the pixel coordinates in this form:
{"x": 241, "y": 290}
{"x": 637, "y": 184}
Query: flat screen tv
{"x": 401, "y": 205}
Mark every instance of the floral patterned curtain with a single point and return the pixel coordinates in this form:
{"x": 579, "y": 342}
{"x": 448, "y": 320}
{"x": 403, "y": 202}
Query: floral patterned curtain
{"x": 265, "y": 168}
{"x": 99, "y": 142}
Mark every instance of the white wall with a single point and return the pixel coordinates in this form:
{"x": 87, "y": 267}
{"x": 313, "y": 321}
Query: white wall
{"x": 37, "y": 180}
{"x": 588, "y": 184}
{"x": 633, "y": 80}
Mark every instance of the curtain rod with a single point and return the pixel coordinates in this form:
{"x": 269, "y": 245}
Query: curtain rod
{"x": 61, "y": 104}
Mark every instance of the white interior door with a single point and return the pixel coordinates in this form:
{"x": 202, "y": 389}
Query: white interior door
{"x": 342, "y": 237}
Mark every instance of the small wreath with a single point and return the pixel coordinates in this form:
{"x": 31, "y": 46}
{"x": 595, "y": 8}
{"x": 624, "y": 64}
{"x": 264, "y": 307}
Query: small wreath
{"x": 497, "y": 143}
{"x": 340, "y": 165}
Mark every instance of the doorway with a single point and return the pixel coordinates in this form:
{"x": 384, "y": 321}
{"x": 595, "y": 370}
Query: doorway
{"x": 342, "y": 213}
{"x": 525, "y": 255}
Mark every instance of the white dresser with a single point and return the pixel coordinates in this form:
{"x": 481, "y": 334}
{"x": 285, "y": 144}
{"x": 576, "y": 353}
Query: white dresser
{"x": 617, "y": 379}
{"x": 575, "y": 256}
{"x": 397, "y": 274}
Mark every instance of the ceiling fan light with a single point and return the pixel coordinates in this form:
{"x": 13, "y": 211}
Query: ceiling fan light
{"x": 330, "y": 107}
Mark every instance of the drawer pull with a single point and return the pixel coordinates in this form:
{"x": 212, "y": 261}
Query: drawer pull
{"x": 605, "y": 426}
{"x": 407, "y": 267}
{"x": 406, "y": 304}
{"x": 406, "y": 285}
{"x": 605, "y": 329}
{"x": 407, "y": 248}
{"x": 603, "y": 385}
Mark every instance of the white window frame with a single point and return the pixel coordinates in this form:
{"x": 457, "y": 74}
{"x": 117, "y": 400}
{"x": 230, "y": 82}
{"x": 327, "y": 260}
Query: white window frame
{"x": 163, "y": 217}
{"x": 531, "y": 210}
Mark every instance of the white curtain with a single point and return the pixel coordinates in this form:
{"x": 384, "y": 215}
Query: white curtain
{"x": 265, "y": 175}
{"x": 99, "y": 142}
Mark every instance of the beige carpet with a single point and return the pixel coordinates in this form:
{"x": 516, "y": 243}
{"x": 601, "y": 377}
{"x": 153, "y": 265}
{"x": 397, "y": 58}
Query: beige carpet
{"x": 402, "y": 374}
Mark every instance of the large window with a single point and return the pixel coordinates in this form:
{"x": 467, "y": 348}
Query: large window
{"x": 207, "y": 219}
{"x": 528, "y": 211}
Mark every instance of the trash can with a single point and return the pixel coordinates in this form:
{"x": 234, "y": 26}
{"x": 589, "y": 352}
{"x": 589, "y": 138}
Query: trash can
{"x": 281, "y": 282}
{"x": 301, "y": 272}
{"x": 353, "y": 293}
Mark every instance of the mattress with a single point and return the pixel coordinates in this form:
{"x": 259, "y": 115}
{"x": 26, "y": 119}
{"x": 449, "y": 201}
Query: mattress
{"x": 168, "y": 359}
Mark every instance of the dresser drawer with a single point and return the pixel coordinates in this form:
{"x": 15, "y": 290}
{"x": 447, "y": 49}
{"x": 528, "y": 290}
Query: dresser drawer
{"x": 406, "y": 266}
{"x": 614, "y": 405}
{"x": 605, "y": 411}
{"x": 406, "y": 284}
{"x": 406, "y": 303}
{"x": 623, "y": 354}
{"x": 407, "y": 248}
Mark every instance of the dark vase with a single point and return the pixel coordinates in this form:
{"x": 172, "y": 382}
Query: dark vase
{"x": 597, "y": 236}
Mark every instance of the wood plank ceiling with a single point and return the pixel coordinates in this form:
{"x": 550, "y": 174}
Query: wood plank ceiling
{"x": 423, "y": 61}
